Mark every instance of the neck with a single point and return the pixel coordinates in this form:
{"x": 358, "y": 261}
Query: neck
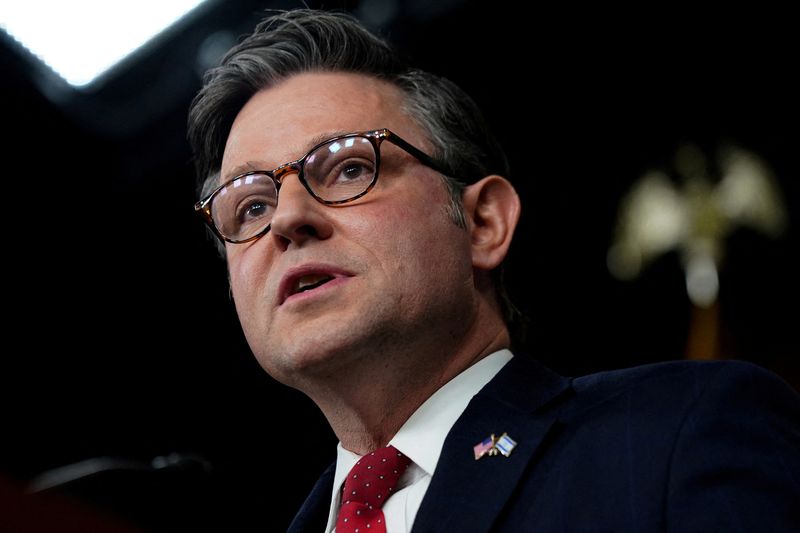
{"x": 379, "y": 398}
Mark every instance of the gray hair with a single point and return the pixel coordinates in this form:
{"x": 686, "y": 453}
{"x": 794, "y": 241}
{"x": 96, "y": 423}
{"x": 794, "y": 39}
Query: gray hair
{"x": 303, "y": 40}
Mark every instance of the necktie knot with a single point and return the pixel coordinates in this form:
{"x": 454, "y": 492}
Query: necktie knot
{"x": 368, "y": 485}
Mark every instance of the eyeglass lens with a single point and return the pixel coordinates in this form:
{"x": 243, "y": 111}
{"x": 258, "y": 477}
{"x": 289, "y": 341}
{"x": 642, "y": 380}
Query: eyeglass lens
{"x": 335, "y": 171}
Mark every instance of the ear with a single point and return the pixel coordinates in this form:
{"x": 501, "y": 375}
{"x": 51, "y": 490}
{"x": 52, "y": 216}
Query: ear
{"x": 492, "y": 208}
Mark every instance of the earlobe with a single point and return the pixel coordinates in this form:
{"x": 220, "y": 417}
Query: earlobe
{"x": 493, "y": 208}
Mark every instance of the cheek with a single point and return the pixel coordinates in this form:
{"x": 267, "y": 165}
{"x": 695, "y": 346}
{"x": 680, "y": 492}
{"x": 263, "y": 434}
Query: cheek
{"x": 245, "y": 268}
{"x": 236, "y": 268}
{"x": 424, "y": 246}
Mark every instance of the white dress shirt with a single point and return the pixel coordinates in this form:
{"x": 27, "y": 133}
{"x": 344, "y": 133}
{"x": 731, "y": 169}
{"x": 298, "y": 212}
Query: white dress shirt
{"x": 421, "y": 439}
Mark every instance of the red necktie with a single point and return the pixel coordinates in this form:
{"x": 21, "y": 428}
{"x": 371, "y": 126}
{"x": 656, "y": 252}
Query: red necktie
{"x": 368, "y": 485}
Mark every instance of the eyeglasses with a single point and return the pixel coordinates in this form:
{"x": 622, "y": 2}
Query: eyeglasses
{"x": 334, "y": 172}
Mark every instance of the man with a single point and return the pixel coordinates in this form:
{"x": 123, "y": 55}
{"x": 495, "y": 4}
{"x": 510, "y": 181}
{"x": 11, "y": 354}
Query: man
{"x": 365, "y": 218}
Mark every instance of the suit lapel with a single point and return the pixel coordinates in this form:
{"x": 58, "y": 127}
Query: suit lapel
{"x": 468, "y": 495}
{"x": 313, "y": 515}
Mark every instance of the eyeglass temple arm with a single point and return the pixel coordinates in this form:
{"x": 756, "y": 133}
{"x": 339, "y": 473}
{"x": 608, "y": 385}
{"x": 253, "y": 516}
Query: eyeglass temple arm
{"x": 416, "y": 152}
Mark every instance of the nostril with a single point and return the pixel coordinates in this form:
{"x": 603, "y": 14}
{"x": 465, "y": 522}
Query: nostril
{"x": 300, "y": 233}
{"x": 281, "y": 241}
{"x": 307, "y": 230}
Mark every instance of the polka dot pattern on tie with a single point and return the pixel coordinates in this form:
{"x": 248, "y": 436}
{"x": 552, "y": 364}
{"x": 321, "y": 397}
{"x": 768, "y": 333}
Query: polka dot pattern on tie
{"x": 367, "y": 486}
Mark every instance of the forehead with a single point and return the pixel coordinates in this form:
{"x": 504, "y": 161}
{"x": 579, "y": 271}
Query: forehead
{"x": 281, "y": 123}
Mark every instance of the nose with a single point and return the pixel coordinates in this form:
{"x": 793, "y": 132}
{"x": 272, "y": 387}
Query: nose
{"x": 298, "y": 217}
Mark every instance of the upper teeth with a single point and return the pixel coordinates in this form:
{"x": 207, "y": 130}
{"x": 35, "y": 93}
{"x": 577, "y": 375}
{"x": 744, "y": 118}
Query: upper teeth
{"x": 311, "y": 279}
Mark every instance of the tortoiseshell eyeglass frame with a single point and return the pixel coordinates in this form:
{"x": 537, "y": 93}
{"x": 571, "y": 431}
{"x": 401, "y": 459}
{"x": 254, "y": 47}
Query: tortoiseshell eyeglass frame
{"x": 375, "y": 137}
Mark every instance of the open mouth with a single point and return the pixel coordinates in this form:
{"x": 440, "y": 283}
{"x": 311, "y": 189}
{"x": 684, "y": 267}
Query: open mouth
{"x": 308, "y": 277}
{"x": 311, "y": 281}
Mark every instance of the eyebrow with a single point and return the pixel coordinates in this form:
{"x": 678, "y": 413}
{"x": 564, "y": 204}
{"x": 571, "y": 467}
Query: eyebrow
{"x": 251, "y": 166}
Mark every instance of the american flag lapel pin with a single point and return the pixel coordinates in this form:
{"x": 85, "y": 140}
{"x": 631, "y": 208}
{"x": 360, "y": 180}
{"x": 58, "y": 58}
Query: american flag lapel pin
{"x": 486, "y": 446}
{"x": 505, "y": 444}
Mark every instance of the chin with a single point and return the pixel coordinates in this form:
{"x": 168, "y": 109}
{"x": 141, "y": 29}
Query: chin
{"x": 307, "y": 359}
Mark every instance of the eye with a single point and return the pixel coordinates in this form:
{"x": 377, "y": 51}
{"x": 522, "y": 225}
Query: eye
{"x": 353, "y": 171}
{"x": 350, "y": 171}
{"x": 253, "y": 209}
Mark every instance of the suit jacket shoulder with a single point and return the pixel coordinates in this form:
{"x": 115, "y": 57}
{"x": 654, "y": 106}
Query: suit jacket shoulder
{"x": 684, "y": 446}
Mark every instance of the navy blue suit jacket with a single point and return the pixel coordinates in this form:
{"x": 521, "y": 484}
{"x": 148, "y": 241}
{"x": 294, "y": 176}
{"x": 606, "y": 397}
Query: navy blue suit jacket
{"x": 683, "y": 446}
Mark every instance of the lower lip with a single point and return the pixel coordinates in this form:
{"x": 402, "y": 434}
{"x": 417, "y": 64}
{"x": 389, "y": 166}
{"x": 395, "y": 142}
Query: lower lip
{"x": 316, "y": 291}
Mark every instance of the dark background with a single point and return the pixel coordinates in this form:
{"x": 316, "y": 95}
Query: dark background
{"x": 120, "y": 337}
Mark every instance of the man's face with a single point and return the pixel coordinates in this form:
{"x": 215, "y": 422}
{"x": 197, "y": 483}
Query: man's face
{"x": 399, "y": 269}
